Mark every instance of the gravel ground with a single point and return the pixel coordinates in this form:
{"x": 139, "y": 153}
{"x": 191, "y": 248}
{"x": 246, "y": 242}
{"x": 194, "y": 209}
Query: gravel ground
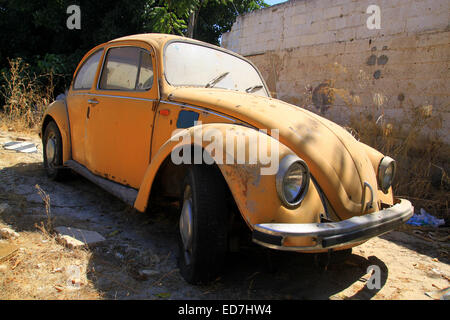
{"x": 410, "y": 265}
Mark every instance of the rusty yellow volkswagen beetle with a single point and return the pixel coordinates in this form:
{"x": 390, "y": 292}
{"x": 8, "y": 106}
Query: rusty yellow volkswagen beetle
{"x": 160, "y": 115}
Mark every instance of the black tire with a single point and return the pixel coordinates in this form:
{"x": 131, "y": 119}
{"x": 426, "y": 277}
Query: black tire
{"x": 54, "y": 166}
{"x": 200, "y": 261}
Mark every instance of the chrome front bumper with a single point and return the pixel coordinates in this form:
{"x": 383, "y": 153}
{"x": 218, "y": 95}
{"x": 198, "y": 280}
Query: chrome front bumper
{"x": 324, "y": 236}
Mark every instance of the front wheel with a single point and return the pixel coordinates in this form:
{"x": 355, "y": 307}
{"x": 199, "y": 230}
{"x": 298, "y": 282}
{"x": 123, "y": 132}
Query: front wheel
{"x": 203, "y": 224}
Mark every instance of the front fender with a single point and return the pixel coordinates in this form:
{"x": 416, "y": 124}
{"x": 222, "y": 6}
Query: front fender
{"x": 375, "y": 158}
{"x": 252, "y": 185}
{"x": 57, "y": 112}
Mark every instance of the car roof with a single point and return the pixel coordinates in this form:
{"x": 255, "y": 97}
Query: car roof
{"x": 157, "y": 39}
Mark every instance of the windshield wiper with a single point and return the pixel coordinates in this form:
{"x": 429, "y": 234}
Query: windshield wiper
{"x": 213, "y": 82}
{"x": 253, "y": 88}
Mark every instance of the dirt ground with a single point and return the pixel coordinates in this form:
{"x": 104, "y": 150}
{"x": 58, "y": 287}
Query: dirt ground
{"x": 411, "y": 262}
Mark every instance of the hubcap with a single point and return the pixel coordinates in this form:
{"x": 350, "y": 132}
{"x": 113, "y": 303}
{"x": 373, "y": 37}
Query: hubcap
{"x": 186, "y": 224}
{"x": 50, "y": 150}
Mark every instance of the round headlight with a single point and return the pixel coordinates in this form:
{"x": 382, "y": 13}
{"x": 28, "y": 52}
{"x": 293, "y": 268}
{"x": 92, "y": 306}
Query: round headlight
{"x": 292, "y": 181}
{"x": 386, "y": 173}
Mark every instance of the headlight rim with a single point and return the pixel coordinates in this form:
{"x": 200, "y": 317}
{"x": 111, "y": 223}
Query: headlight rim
{"x": 382, "y": 167}
{"x": 285, "y": 165}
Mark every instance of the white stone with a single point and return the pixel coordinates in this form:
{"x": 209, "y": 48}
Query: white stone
{"x": 8, "y": 233}
{"x": 148, "y": 273}
{"x": 74, "y": 238}
{"x": 4, "y": 207}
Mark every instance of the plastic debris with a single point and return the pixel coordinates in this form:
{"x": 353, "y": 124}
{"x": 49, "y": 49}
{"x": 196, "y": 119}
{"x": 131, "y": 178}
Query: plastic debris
{"x": 425, "y": 219}
{"x": 25, "y": 147}
{"x": 119, "y": 255}
{"x": 57, "y": 270}
{"x": 443, "y": 294}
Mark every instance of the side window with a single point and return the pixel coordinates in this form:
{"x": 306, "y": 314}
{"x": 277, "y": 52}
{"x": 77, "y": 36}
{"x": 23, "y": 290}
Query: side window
{"x": 120, "y": 69}
{"x": 127, "y": 68}
{"x": 86, "y": 74}
{"x": 145, "y": 72}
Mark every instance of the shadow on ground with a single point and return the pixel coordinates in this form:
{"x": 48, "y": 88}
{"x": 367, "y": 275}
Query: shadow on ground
{"x": 136, "y": 242}
{"x": 263, "y": 274}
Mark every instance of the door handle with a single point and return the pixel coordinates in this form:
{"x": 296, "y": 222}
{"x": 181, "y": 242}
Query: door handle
{"x": 93, "y": 101}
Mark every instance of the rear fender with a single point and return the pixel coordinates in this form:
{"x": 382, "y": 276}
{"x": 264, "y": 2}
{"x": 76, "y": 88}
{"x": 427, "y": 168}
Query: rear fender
{"x": 57, "y": 112}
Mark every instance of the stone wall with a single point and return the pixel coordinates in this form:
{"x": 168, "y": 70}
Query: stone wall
{"x": 321, "y": 55}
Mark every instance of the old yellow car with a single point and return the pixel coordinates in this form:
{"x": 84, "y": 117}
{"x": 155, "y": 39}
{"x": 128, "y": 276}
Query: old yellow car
{"x": 167, "y": 116}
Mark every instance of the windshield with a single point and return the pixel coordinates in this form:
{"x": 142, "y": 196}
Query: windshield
{"x": 188, "y": 64}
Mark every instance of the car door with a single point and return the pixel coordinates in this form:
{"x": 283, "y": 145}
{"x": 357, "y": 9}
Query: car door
{"x": 77, "y": 102}
{"x": 119, "y": 127}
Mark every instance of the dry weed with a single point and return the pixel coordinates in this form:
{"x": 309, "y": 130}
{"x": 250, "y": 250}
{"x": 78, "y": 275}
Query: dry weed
{"x": 41, "y": 268}
{"x": 25, "y": 94}
{"x": 48, "y": 228}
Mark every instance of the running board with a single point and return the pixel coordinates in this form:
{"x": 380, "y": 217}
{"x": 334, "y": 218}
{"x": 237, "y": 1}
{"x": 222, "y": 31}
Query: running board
{"x": 126, "y": 194}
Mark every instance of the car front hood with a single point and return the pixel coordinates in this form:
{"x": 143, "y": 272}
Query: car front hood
{"x": 336, "y": 160}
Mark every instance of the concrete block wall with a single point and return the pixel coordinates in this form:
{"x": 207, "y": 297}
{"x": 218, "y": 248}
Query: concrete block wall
{"x": 303, "y": 45}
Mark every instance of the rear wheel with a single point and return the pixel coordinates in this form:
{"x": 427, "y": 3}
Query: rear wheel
{"x": 203, "y": 224}
{"x": 52, "y": 151}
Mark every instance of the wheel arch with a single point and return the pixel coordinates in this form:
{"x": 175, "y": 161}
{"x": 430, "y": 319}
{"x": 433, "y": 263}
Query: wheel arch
{"x": 163, "y": 172}
{"x": 254, "y": 193}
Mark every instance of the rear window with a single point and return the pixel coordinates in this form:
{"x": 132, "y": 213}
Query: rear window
{"x": 85, "y": 76}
